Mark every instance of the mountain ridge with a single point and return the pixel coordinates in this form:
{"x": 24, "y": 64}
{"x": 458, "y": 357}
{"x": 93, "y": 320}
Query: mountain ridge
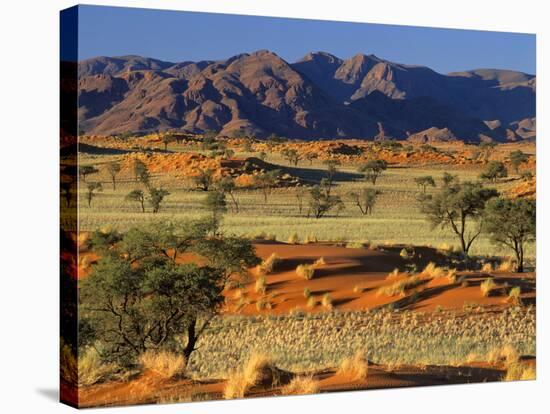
{"x": 319, "y": 96}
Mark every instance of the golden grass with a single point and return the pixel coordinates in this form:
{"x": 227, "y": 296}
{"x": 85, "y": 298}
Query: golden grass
{"x": 520, "y": 372}
{"x": 310, "y": 238}
{"x": 355, "y": 245}
{"x": 357, "y": 367}
{"x": 311, "y": 302}
{"x": 404, "y": 254}
{"x": 393, "y": 274}
{"x": 487, "y": 286}
{"x": 166, "y": 364}
{"x": 307, "y": 293}
{"x": 301, "y": 385}
{"x": 91, "y": 369}
{"x": 319, "y": 262}
{"x": 451, "y": 275}
{"x": 305, "y": 271}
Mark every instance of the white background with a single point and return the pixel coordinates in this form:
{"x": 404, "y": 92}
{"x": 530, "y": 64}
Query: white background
{"x": 29, "y": 205}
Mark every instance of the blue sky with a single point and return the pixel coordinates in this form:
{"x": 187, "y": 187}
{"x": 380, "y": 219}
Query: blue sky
{"x": 178, "y": 36}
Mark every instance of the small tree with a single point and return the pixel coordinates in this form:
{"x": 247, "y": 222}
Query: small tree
{"x": 511, "y": 223}
{"x": 373, "y": 169}
{"x": 291, "y": 155}
{"x": 365, "y": 199}
{"x": 86, "y": 170}
{"x": 310, "y": 156}
{"x": 113, "y": 168}
{"x": 266, "y": 181}
{"x": 485, "y": 149}
{"x": 140, "y": 170}
{"x": 517, "y": 158}
{"x": 458, "y": 206}
{"x": 332, "y": 169}
{"x": 93, "y": 188}
{"x": 494, "y": 171}
{"x": 156, "y": 197}
{"x": 138, "y": 196}
{"x": 424, "y": 182}
{"x": 448, "y": 178}
{"x": 204, "y": 179}
{"x": 321, "y": 201}
{"x": 167, "y": 139}
{"x": 300, "y": 194}
{"x": 227, "y": 186}
{"x": 215, "y": 202}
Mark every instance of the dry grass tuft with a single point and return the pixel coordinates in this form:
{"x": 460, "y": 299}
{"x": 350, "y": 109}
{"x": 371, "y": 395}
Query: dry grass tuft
{"x": 393, "y": 274}
{"x": 260, "y": 286}
{"x": 311, "y": 302}
{"x": 305, "y": 271}
{"x": 520, "y": 372}
{"x": 451, "y": 275}
{"x": 327, "y": 301}
{"x": 319, "y": 262}
{"x": 400, "y": 287}
{"x": 239, "y": 382}
{"x": 166, "y": 364}
{"x": 307, "y": 293}
{"x": 91, "y": 369}
{"x": 310, "y": 238}
{"x": 293, "y": 239}
{"x": 514, "y": 296}
{"x": 301, "y": 385}
{"x": 487, "y": 268}
{"x": 487, "y": 286}
{"x": 506, "y": 266}
{"x": 269, "y": 264}
{"x": 357, "y": 367}
{"x": 433, "y": 271}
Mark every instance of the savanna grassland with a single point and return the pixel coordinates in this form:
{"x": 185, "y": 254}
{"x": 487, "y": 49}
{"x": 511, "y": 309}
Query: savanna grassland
{"x": 277, "y": 267}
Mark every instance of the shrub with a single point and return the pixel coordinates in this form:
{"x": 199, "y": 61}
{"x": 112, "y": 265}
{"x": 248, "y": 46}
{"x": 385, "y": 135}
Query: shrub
{"x": 319, "y": 262}
{"x": 487, "y": 286}
{"x": 506, "y": 266}
{"x": 166, "y": 364}
{"x": 301, "y": 385}
{"x": 311, "y": 302}
{"x": 305, "y": 271}
{"x": 357, "y": 367}
{"x": 451, "y": 275}
{"x": 307, "y": 293}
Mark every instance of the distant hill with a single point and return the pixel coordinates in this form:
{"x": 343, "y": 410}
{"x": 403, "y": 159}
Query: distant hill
{"x": 320, "y": 96}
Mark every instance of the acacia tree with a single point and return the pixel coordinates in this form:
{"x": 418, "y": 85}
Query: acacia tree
{"x": 266, "y": 181}
{"x": 86, "y": 170}
{"x": 459, "y": 206}
{"x": 310, "y": 156}
{"x": 167, "y": 139}
{"x": 137, "y": 195}
{"x": 365, "y": 199}
{"x": 204, "y": 179}
{"x": 485, "y": 149}
{"x": 494, "y": 171}
{"x": 291, "y": 155}
{"x": 113, "y": 168}
{"x": 373, "y": 169}
{"x": 156, "y": 197}
{"x": 321, "y": 201}
{"x": 140, "y": 170}
{"x": 300, "y": 194}
{"x": 511, "y": 223}
{"x": 332, "y": 169}
{"x": 216, "y": 204}
{"x": 93, "y": 188}
{"x": 227, "y": 186}
{"x": 517, "y": 158}
{"x": 139, "y": 298}
{"x": 424, "y": 182}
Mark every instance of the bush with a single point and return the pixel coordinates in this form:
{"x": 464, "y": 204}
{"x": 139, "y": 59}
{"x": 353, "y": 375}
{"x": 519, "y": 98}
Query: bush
{"x": 433, "y": 271}
{"x": 327, "y": 301}
{"x": 91, "y": 369}
{"x": 240, "y": 382}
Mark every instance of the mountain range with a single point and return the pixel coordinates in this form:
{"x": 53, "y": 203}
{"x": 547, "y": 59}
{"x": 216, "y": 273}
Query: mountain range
{"x": 319, "y": 96}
